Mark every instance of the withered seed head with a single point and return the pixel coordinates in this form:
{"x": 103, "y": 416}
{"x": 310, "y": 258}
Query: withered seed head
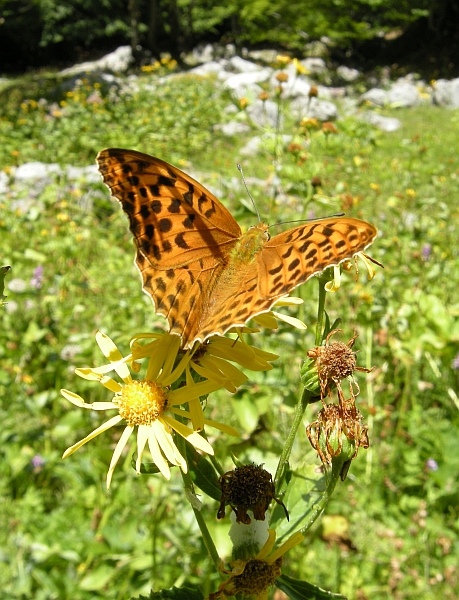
{"x": 245, "y": 488}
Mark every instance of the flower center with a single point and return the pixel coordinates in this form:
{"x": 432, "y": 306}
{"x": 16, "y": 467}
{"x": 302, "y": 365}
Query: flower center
{"x": 141, "y": 402}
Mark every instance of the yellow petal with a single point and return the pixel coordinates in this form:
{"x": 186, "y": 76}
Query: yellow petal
{"x": 110, "y": 351}
{"x": 157, "y": 456}
{"x": 78, "y": 401}
{"x": 294, "y": 322}
{"x": 190, "y": 392}
{"x": 191, "y": 436}
{"x": 92, "y": 375}
{"x": 293, "y": 540}
{"x": 117, "y": 453}
{"x": 92, "y": 435}
{"x": 222, "y": 427}
{"x": 166, "y": 443}
{"x": 268, "y": 546}
{"x": 142, "y": 437}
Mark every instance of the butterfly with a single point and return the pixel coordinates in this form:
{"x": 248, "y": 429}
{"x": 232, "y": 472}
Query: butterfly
{"x": 203, "y": 274}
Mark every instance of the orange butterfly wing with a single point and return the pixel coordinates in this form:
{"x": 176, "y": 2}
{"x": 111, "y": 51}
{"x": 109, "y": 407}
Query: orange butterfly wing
{"x": 283, "y": 263}
{"x": 202, "y": 274}
{"x": 182, "y": 232}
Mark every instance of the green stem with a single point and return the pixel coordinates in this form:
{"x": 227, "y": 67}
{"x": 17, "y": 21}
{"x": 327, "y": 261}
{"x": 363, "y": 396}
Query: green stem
{"x": 287, "y": 450}
{"x": 305, "y": 397}
{"x": 321, "y": 309}
{"x": 319, "y": 507}
{"x": 189, "y": 487}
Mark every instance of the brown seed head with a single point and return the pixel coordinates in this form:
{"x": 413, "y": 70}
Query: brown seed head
{"x": 245, "y": 488}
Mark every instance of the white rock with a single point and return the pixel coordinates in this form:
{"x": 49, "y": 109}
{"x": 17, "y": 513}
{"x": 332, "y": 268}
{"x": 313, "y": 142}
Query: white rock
{"x": 384, "y": 123}
{"x": 36, "y": 171}
{"x": 117, "y": 62}
{"x": 446, "y": 93}
{"x": 347, "y": 74}
{"x": 90, "y": 173}
{"x": 375, "y": 96}
{"x": 232, "y": 128}
{"x": 239, "y": 65}
{"x": 264, "y": 113}
{"x": 256, "y": 144}
{"x": 314, "y": 65}
{"x": 403, "y": 94}
{"x": 209, "y": 68}
{"x": 313, "y": 108}
{"x": 3, "y": 182}
{"x": 267, "y": 56}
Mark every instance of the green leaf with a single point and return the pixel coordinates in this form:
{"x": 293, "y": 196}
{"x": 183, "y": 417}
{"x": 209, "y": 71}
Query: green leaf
{"x": 184, "y": 593}
{"x": 203, "y": 474}
{"x": 302, "y": 590}
{"x": 305, "y": 488}
{"x": 3, "y": 272}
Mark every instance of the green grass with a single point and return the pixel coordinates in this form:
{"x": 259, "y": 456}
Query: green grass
{"x": 62, "y": 535}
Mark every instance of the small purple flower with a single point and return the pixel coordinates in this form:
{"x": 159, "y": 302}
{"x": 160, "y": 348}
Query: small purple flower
{"x": 37, "y": 461}
{"x": 37, "y": 279}
{"x": 455, "y": 362}
{"x": 431, "y": 464}
{"x": 426, "y": 251}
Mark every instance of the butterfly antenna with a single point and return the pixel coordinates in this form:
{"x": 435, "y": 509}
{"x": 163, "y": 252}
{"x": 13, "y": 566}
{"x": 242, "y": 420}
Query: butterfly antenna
{"x": 247, "y": 190}
{"x": 307, "y": 220}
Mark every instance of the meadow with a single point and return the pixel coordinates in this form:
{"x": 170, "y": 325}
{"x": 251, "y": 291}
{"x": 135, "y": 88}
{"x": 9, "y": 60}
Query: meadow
{"x": 391, "y": 530}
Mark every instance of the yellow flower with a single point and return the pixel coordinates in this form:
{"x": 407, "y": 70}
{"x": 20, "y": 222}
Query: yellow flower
{"x": 335, "y": 283}
{"x": 148, "y": 404}
{"x": 253, "y": 577}
{"x": 270, "y": 318}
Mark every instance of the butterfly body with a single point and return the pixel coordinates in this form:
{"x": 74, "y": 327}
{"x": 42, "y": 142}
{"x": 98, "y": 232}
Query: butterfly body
{"x": 203, "y": 274}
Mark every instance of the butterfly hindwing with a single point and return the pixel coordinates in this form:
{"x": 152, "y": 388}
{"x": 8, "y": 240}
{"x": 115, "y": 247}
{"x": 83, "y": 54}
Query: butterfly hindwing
{"x": 292, "y": 257}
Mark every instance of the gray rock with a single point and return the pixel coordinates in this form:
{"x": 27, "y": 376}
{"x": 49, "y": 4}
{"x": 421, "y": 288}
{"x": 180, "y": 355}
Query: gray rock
{"x": 246, "y": 84}
{"x": 446, "y": 93}
{"x": 89, "y": 173}
{"x": 117, "y": 62}
{"x": 313, "y": 108}
{"x": 384, "y": 123}
{"x": 314, "y": 65}
{"x": 233, "y": 128}
{"x": 200, "y": 54}
{"x": 403, "y": 94}
{"x": 3, "y": 182}
{"x": 266, "y": 56}
{"x": 375, "y": 97}
{"x": 347, "y": 74}
{"x": 295, "y": 87}
{"x": 257, "y": 143}
{"x": 239, "y": 65}
{"x": 34, "y": 171}
{"x": 264, "y": 113}
{"x": 209, "y": 68}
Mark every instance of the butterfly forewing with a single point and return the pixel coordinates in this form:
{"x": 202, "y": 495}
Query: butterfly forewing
{"x": 173, "y": 218}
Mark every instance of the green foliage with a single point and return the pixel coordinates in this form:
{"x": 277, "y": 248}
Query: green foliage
{"x": 44, "y": 31}
{"x": 64, "y": 536}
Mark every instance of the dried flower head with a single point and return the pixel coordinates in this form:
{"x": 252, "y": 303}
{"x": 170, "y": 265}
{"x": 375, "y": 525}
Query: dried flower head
{"x": 334, "y": 362}
{"x": 249, "y": 487}
{"x": 338, "y": 431}
{"x": 329, "y": 127}
{"x": 282, "y": 77}
{"x": 253, "y": 577}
